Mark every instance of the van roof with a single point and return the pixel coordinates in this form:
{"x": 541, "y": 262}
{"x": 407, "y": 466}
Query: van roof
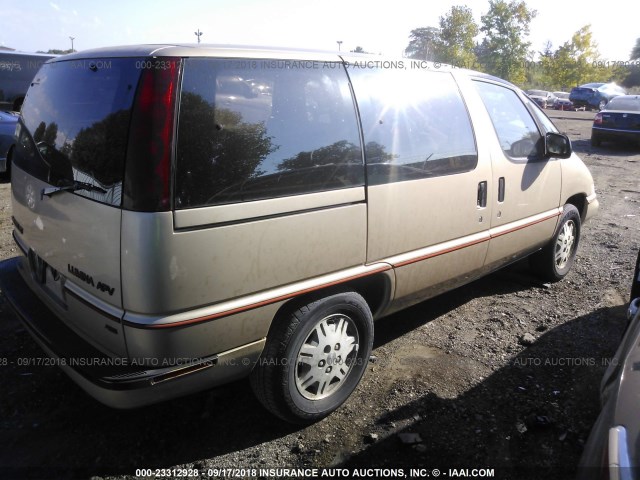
{"x": 246, "y": 51}
{"x": 193, "y": 50}
{"x": 219, "y": 50}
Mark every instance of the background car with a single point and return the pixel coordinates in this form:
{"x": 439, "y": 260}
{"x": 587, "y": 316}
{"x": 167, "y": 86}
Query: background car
{"x": 620, "y": 120}
{"x": 8, "y": 122}
{"x": 611, "y": 451}
{"x": 595, "y": 95}
{"x": 542, "y": 97}
{"x": 562, "y": 101}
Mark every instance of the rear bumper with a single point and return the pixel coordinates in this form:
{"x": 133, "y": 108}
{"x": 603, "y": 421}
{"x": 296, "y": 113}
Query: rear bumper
{"x": 612, "y": 133}
{"x": 115, "y": 381}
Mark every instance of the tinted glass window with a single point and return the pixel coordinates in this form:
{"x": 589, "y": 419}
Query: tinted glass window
{"x": 516, "y": 130}
{"x": 75, "y": 121}
{"x": 415, "y": 124}
{"x": 251, "y": 130}
{"x": 547, "y": 124}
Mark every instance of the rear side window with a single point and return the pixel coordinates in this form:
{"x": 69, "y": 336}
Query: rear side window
{"x": 518, "y": 134}
{"x": 251, "y": 130}
{"x": 415, "y": 124}
{"x": 74, "y": 126}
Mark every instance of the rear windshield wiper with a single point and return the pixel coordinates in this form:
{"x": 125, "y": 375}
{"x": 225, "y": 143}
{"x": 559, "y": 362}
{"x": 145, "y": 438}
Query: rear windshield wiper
{"x": 71, "y": 187}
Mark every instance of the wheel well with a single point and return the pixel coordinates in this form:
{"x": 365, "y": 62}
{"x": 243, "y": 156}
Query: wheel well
{"x": 580, "y": 202}
{"x": 375, "y": 289}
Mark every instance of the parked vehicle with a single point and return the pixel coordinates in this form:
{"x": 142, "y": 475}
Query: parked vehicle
{"x": 191, "y": 215}
{"x": 562, "y": 101}
{"x": 17, "y": 70}
{"x": 611, "y": 452}
{"x": 620, "y": 120}
{"x": 543, "y": 98}
{"x": 595, "y": 95}
{"x": 8, "y": 121}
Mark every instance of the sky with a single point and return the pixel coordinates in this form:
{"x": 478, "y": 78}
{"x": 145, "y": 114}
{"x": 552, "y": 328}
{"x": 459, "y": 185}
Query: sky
{"x": 378, "y": 27}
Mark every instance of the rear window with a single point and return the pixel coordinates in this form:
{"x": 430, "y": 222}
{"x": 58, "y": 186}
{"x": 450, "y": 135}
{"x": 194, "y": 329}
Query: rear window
{"x": 74, "y": 125}
{"x": 257, "y": 129}
{"x": 630, "y": 104}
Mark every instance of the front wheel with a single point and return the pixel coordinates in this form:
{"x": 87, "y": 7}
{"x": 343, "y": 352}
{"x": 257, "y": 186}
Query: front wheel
{"x": 555, "y": 260}
{"x": 314, "y": 358}
{"x": 602, "y": 104}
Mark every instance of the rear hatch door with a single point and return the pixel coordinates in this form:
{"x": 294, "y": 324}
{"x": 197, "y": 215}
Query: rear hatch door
{"x": 67, "y": 183}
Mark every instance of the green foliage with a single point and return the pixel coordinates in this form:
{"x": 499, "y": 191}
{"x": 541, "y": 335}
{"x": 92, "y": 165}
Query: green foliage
{"x": 505, "y": 51}
{"x": 55, "y": 51}
{"x": 455, "y": 42}
{"x": 575, "y": 62}
{"x": 423, "y": 43}
{"x": 359, "y": 49}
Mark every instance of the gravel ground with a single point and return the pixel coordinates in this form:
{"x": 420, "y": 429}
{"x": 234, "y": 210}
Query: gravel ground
{"x": 500, "y": 374}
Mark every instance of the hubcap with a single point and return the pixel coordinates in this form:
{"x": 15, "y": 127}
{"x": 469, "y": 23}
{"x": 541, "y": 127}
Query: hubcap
{"x": 326, "y": 357}
{"x": 564, "y": 244}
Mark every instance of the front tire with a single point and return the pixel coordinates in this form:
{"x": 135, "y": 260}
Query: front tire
{"x": 555, "y": 260}
{"x": 314, "y": 358}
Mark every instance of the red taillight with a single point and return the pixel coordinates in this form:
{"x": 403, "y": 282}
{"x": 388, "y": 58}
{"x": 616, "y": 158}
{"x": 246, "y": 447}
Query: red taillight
{"x": 598, "y": 119}
{"x": 147, "y": 184}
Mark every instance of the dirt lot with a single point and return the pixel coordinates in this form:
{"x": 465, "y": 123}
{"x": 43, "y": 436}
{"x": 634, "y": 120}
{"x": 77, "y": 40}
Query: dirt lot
{"x": 454, "y": 370}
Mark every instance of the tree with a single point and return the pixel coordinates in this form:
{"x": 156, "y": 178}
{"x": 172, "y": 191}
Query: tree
{"x": 542, "y": 77}
{"x": 455, "y": 43}
{"x": 635, "y": 53}
{"x": 506, "y": 26}
{"x": 423, "y": 43}
{"x": 574, "y": 63}
{"x": 632, "y": 75}
{"x": 55, "y": 51}
{"x": 359, "y": 49}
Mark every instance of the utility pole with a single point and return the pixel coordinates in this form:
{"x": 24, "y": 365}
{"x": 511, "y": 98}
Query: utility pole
{"x": 339, "y": 42}
{"x": 72, "y": 39}
{"x": 198, "y": 34}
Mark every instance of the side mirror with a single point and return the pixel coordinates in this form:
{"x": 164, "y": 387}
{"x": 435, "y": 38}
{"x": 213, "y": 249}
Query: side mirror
{"x": 557, "y": 145}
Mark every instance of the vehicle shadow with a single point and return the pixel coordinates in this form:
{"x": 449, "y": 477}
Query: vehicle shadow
{"x": 53, "y": 429}
{"x": 618, "y": 149}
{"x": 526, "y": 406}
{"x": 513, "y": 278}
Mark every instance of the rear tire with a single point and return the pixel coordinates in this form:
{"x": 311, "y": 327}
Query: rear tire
{"x": 314, "y": 358}
{"x": 595, "y": 141}
{"x": 555, "y": 260}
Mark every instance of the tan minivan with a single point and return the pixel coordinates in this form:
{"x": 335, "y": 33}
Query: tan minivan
{"x": 192, "y": 215}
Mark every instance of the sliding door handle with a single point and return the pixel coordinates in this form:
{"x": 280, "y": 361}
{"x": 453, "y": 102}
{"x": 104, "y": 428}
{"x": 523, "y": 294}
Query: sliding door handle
{"x": 501, "y": 189}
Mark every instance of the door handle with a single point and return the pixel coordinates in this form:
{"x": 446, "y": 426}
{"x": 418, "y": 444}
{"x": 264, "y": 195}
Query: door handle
{"x": 482, "y": 194}
{"x": 501, "y": 189}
